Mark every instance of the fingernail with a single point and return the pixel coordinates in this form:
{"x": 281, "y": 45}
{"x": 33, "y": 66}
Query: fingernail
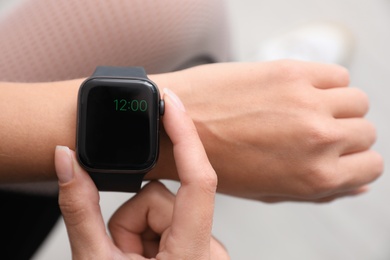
{"x": 64, "y": 164}
{"x": 175, "y": 99}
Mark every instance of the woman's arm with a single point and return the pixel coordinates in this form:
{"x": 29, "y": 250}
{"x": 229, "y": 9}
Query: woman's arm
{"x": 273, "y": 131}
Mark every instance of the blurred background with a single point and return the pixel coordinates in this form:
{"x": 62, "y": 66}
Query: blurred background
{"x": 351, "y": 228}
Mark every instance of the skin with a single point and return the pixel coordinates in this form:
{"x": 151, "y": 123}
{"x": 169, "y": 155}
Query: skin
{"x": 154, "y": 223}
{"x": 273, "y": 131}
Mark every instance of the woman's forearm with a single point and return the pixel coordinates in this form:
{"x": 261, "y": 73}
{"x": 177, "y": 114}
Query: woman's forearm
{"x": 34, "y": 118}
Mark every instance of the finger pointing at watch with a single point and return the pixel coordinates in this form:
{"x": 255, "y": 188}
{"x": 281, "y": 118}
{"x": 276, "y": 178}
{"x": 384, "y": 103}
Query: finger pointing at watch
{"x": 182, "y": 225}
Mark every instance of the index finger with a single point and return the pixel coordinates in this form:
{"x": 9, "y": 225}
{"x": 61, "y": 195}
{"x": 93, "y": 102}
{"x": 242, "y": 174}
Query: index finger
{"x": 194, "y": 205}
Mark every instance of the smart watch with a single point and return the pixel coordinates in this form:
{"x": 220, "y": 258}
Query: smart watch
{"x": 118, "y": 117}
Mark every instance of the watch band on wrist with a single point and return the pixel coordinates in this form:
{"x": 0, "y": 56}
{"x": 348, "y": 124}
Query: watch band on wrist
{"x": 118, "y": 181}
{"x": 133, "y": 72}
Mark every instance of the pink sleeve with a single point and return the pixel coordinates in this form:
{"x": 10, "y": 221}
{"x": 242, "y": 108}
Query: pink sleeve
{"x": 48, "y": 40}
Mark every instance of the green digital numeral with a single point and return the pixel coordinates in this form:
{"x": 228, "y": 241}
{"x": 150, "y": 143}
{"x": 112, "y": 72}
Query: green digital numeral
{"x": 120, "y": 105}
{"x": 133, "y": 105}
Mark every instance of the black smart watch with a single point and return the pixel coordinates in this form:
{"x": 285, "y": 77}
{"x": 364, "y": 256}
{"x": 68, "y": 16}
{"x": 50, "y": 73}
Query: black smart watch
{"x": 118, "y": 117}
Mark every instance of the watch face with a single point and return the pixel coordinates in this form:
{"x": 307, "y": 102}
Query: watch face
{"x": 118, "y": 124}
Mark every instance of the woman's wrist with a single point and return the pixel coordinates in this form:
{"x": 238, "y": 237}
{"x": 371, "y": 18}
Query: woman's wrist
{"x": 38, "y": 116}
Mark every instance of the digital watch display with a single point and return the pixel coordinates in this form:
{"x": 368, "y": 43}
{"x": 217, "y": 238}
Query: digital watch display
{"x": 118, "y": 127}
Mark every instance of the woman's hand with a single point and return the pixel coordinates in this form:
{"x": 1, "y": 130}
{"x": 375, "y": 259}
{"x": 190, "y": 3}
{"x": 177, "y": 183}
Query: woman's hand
{"x": 283, "y": 130}
{"x": 154, "y": 223}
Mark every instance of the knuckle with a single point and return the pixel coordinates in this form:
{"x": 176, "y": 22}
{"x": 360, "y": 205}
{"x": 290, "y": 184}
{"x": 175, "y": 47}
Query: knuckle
{"x": 322, "y": 134}
{"x": 153, "y": 187}
{"x": 321, "y": 181}
{"x": 155, "y": 192}
{"x": 74, "y": 211}
{"x": 362, "y": 99}
{"x": 371, "y": 132}
{"x": 307, "y": 102}
{"x": 208, "y": 181}
{"x": 291, "y": 69}
{"x": 343, "y": 75}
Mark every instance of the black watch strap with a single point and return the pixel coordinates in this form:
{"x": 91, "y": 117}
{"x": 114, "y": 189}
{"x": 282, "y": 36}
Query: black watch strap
{"x": 121, "y": 72}
{"x": 118, "y": 181}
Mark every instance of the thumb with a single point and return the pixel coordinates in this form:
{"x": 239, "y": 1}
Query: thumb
{"x": 79, "y": 204}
